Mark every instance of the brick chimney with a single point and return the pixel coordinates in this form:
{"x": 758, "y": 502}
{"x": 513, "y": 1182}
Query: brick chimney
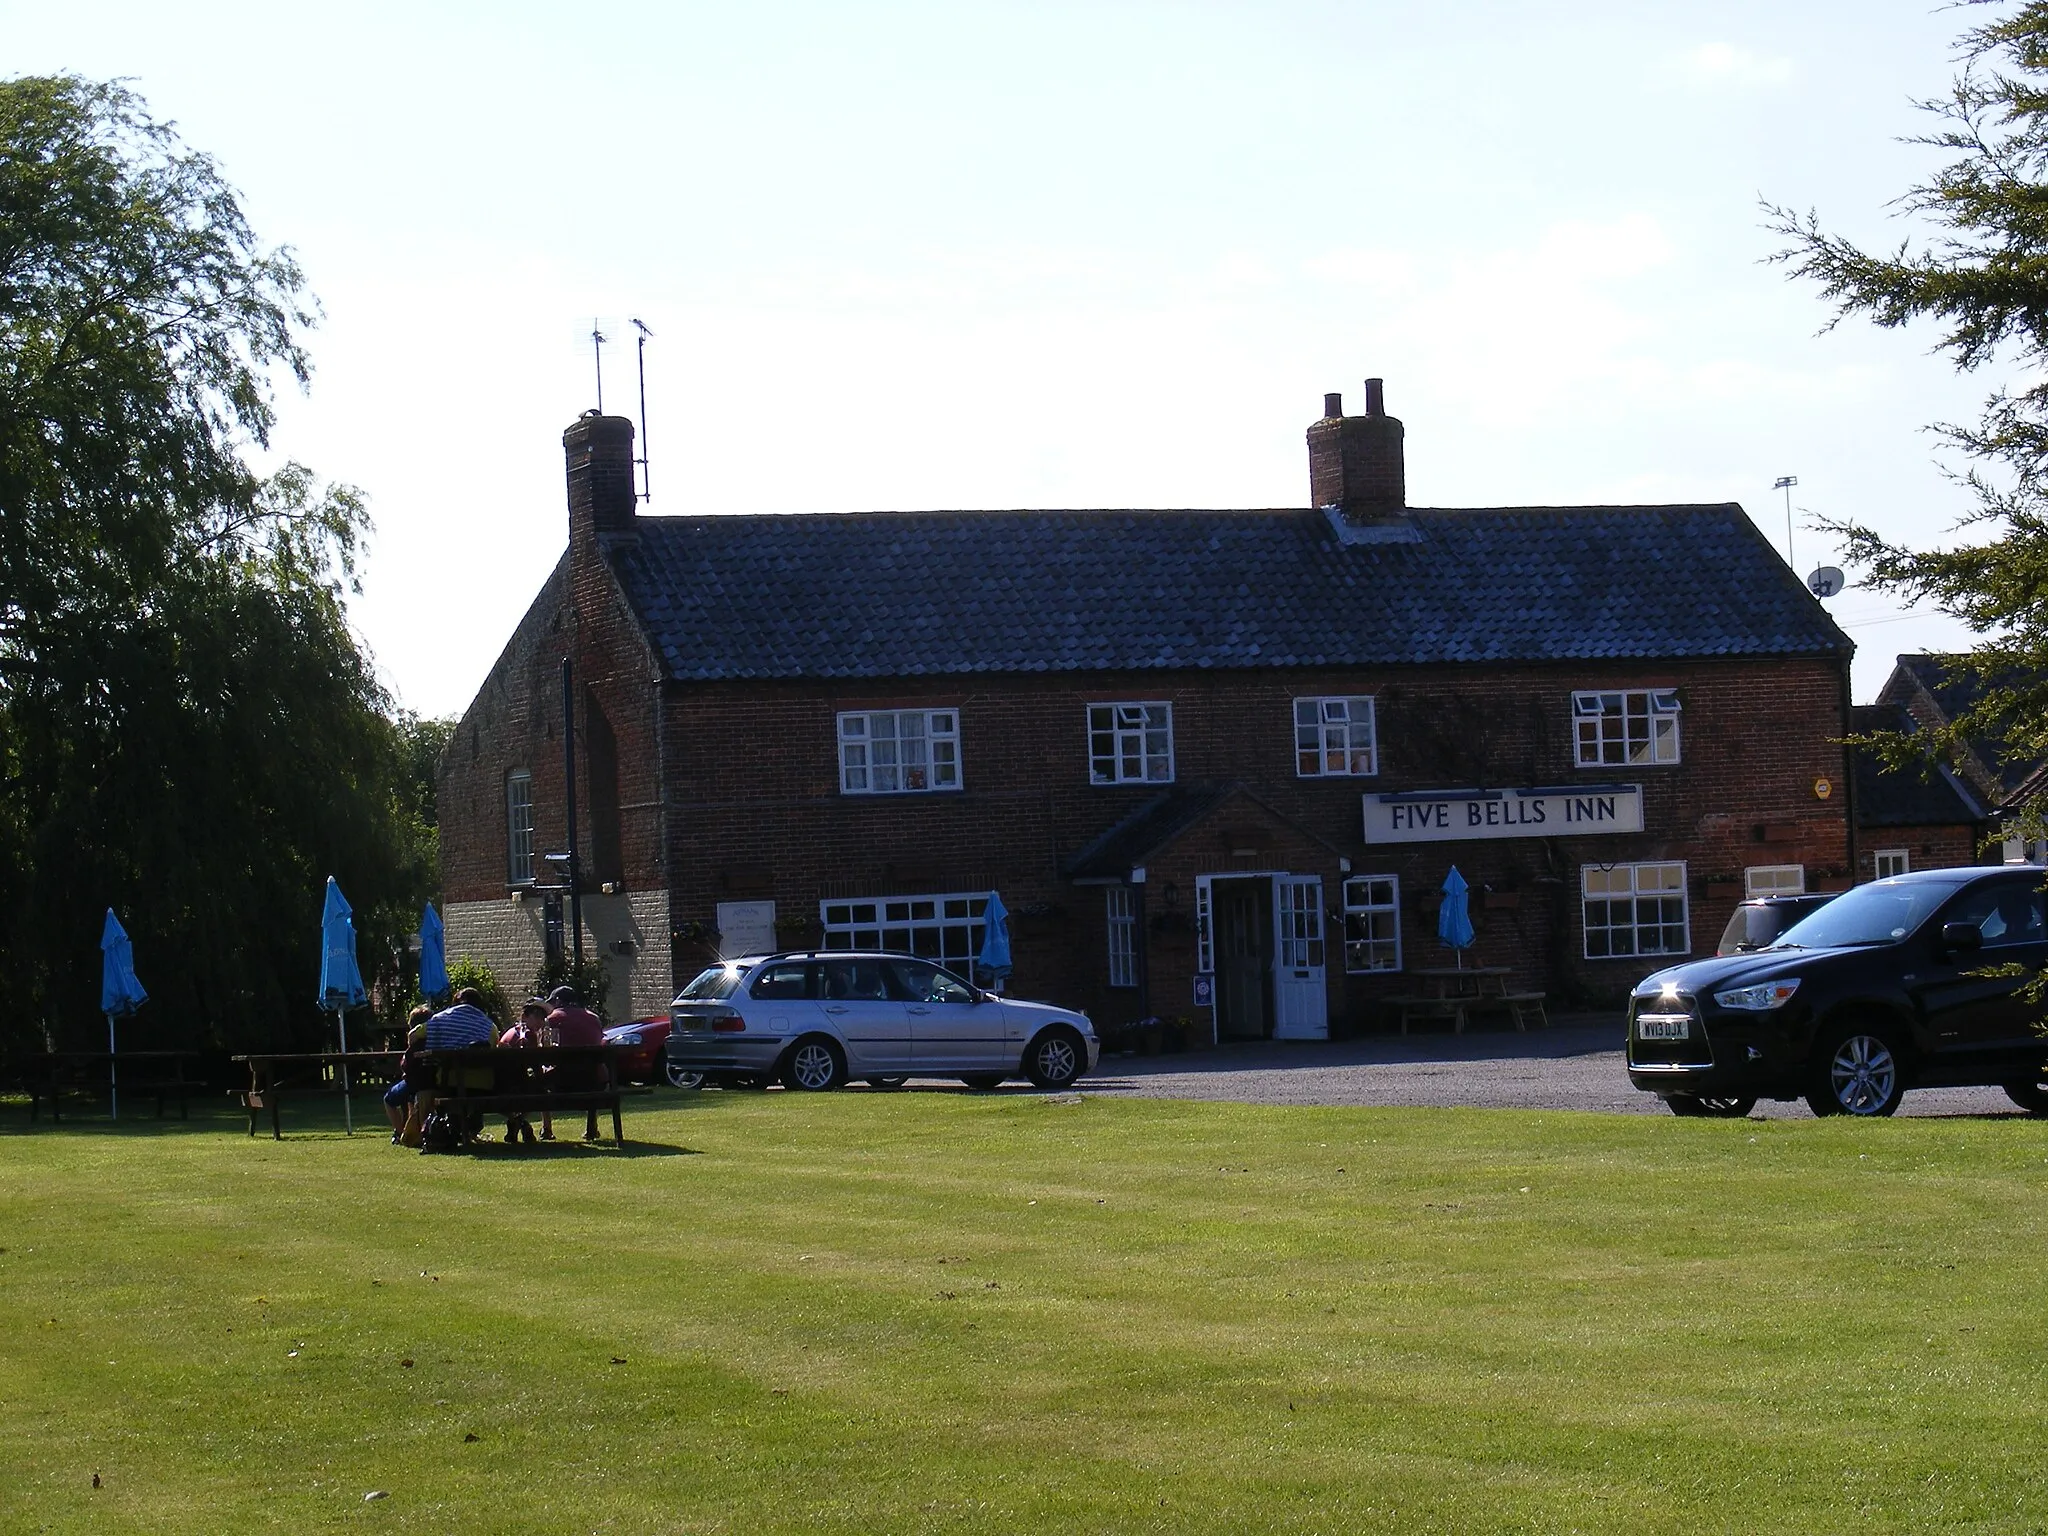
{"x": 598, "y": 451}
{"x": 1355, "y": 463}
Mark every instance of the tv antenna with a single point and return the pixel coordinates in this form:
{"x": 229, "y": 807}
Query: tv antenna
{"x": 597, "y": 341}
{"x": 640, "y": 349}
{"x": 1785, "y": 483}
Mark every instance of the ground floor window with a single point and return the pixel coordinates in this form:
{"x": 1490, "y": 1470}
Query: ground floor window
{"x": 945, "y": 928}
{"x": 1634, "y": 909}
{"x": 1372, "y": 923}
{"x": 1892, "y": 861}
{"x": 1774, "y": 880}
{"x": 1123, "y": 938}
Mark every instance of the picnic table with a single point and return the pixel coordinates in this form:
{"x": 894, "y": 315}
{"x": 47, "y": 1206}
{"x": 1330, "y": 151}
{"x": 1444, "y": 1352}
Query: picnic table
{"x": 49, "y": 1075}
{"x": 546, "y": 1079}
{"x": 272, "y": 1075}
{"x": 1453, "y": 993}
{"x": 533, "y": 1079}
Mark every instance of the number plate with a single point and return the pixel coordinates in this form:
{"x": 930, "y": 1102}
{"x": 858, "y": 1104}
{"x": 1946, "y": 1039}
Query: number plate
{"x": 1663, "y": 1028}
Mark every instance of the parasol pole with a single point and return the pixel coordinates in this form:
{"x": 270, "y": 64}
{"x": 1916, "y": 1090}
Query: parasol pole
{"x": 113, "y": 1075}
{"x": 348, "y": 1110}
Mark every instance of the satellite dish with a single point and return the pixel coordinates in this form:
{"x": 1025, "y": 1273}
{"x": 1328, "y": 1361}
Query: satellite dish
{"x": 1825, "y": 582}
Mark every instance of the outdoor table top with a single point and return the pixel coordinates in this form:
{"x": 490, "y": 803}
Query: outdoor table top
{"x": 280, "y": 1056}
{"x": 1459, "y": 970}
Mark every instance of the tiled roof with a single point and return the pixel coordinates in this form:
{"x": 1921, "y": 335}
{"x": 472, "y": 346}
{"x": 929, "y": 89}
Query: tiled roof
{"x": 1901, "y": 797}
{"x": 907, "y": 594}
{"x": 1957, "y": 688}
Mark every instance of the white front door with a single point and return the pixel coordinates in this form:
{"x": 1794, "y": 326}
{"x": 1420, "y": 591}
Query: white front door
{"x": 1301, "y": 1009}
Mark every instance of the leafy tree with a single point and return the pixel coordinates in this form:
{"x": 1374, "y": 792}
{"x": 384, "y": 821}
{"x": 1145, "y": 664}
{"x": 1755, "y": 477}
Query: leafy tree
{"x": 1981, "y": 275}
{"x": 188, "y": 730}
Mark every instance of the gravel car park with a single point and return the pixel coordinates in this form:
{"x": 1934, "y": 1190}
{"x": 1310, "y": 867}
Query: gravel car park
{"x": 814, "y": 1020}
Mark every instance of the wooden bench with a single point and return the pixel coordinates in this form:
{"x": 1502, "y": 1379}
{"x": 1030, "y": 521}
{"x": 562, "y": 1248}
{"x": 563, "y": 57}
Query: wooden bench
{"x": 48, "y": 1077}
{"x": 1430, "y": 1010}
{"x": 526, "y": 1080}
{"x": 273, "y": 1077}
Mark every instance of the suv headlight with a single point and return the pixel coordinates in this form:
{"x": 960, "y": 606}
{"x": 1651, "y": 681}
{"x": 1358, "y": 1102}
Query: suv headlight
{"x": 1761, "y": 997}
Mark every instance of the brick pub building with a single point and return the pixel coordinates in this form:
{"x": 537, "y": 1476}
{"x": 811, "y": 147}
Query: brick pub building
{"x": 1233, "y": 750}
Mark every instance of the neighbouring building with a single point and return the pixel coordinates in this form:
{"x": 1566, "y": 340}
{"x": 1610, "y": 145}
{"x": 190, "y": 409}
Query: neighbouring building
{"x": 1908, "y": 819}
{"x": 1217, "y": 763}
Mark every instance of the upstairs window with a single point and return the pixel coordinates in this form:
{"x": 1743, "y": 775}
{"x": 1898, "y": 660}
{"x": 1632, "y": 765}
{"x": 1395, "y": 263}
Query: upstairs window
{"x": 1627, "y": 729}
{"x": 519, "y": 827}
{"x": 899, "y": 751}
{"x": 1333, "y": 737}
{"x": 1130, "y": 743}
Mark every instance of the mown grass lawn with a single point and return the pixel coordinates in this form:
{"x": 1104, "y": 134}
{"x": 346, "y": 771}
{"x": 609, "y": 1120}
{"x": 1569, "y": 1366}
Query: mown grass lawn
{"x": 937, "y": 1311}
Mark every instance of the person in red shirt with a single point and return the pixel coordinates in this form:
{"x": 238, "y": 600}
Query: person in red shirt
{"x": 573, "y": 1024}
{"x": 527, "y": 1032}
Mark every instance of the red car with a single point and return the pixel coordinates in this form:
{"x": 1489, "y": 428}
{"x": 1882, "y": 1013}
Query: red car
{"x": 643, "y": 1061}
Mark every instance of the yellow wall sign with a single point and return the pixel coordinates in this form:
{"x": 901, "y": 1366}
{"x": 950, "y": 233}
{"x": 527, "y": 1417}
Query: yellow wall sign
{"x": 1822, "y": 789}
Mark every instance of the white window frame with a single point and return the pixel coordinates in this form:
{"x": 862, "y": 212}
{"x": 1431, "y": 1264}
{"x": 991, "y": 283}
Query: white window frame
{"x": 1372, "y": 902}
{"x": 1887, "y": 862}
{"x": 1130, "y": 743}
{"x": 945, "y": 927}
{"x": 519, "y": 827}
{"x": 1336, "y": 736}
{"x": 1123, "y": 936}
{"x": 1774, "y": 880}
{"x": 1631, "y": 886}
{"x": 899, "y": 751}
{"x": 1625, "y": 727}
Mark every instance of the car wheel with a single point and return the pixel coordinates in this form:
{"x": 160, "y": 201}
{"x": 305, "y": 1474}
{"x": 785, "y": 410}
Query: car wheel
{"x": 983, "y": 1082}
{"x": 887, "y": 1084}
{"x": 2031, "y": 1094}
{"x": 1862, "y": 1075}
{"x": 681, "y": 1077}
{"x": 814, "y": 1066}
{"x": 1055, "y": 1059}
{"x": 1710, "y": 1105}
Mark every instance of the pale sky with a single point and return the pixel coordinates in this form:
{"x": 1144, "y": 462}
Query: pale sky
{"x": 1049, "y": 254}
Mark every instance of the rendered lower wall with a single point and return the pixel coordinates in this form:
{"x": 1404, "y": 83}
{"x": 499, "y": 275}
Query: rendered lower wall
{"x": 506, "y": 935}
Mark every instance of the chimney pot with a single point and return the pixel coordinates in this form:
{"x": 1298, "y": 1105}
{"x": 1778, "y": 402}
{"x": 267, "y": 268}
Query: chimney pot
{"x": 1375, "y": 397}
{"x": 1333, "y": 407}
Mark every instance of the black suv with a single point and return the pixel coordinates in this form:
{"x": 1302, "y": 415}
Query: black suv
{"x": 1883, "y": 989}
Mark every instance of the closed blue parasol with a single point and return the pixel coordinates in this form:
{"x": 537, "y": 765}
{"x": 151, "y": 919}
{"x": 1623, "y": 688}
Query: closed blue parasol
{"x": 120, "y": 995}
{"x": 994, "y": 958}
{"x": 433, "y": 955}
{"x": 341, "y": 981}
{"x": 1454, "y": 917}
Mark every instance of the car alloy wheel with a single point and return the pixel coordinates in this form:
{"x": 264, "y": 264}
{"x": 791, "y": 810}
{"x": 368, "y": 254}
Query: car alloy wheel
{"x": 1055, "y": 1060}
{"x": 1863, "y": 1077}
{"x": 681, "y": 1077}
{"x": 814, "y": 1066}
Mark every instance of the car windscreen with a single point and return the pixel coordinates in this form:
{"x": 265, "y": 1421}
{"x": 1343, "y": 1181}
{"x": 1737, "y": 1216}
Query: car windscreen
{"x": 1879, "y": 913}
{"x": 719, "y": 981}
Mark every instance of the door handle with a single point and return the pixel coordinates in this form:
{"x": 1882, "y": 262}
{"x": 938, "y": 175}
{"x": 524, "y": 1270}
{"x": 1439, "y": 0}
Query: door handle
{"x": 920, "y": 1010}
{"x": 837, "y": 1008}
